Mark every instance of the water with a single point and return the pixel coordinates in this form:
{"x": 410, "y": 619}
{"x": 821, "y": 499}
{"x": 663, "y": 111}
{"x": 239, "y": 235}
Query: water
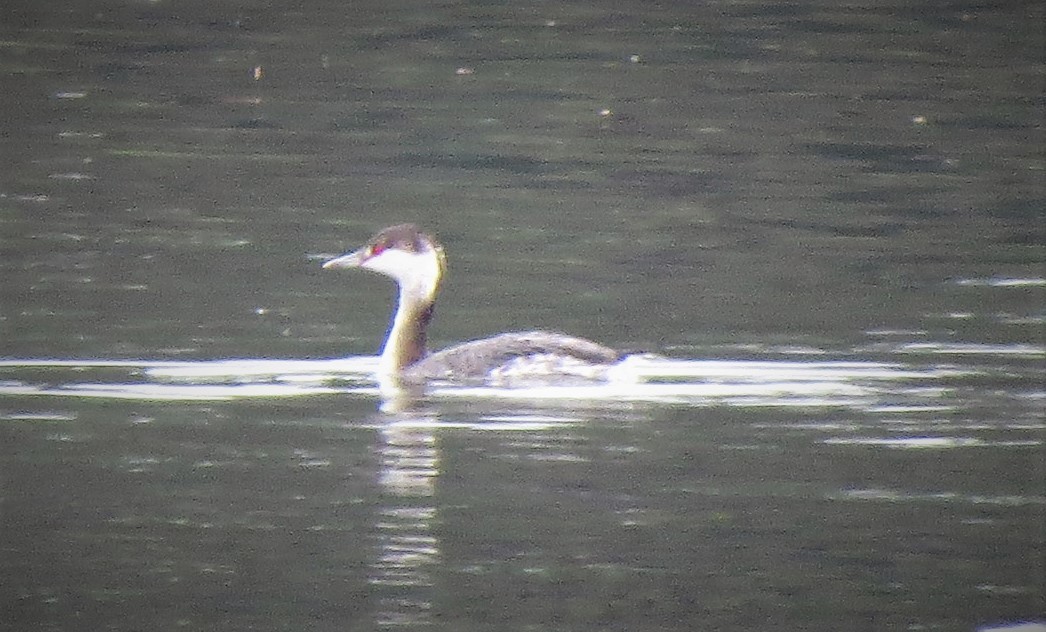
{"x": 826, "y": 221}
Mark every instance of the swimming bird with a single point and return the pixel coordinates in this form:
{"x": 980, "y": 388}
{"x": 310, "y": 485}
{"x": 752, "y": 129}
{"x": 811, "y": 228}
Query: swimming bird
{"x": 416, "y": 261}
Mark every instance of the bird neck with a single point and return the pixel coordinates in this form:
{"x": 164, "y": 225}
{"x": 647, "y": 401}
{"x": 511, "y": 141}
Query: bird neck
{"x": 418, "y": 288}
{"x": 405, "y": 344}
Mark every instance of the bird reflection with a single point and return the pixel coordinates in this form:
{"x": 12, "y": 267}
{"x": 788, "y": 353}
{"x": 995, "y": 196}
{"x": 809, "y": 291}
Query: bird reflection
{"x": 408, "y": 549}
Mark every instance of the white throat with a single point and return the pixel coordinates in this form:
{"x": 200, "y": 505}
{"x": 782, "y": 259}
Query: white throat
{"x": 418, "y": 275}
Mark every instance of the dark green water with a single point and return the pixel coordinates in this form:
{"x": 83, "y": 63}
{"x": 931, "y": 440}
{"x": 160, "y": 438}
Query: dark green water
{"x": 722, "y": 180}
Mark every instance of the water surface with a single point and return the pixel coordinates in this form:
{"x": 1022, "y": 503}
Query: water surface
{"x": 826, "y": 220}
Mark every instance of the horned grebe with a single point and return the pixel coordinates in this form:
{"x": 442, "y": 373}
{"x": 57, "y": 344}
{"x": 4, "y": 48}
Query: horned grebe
{"x": 416, "y": 261}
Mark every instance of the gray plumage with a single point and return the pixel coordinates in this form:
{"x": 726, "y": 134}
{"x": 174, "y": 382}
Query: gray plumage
{"x": 474, "y": 360}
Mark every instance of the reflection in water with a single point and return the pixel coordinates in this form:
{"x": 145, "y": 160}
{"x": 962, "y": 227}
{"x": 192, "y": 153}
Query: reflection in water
{"x": 777, "y": 382}
{"x": 407, "y": 546}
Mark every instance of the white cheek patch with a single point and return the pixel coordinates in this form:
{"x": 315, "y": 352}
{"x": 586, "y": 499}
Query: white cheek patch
{"x": 398, "y": 264}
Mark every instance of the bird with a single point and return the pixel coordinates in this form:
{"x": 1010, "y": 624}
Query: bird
{"x": 416, "y": 261}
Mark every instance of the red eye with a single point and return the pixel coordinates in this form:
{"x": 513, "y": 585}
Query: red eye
{"x": 377, "y": 249}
